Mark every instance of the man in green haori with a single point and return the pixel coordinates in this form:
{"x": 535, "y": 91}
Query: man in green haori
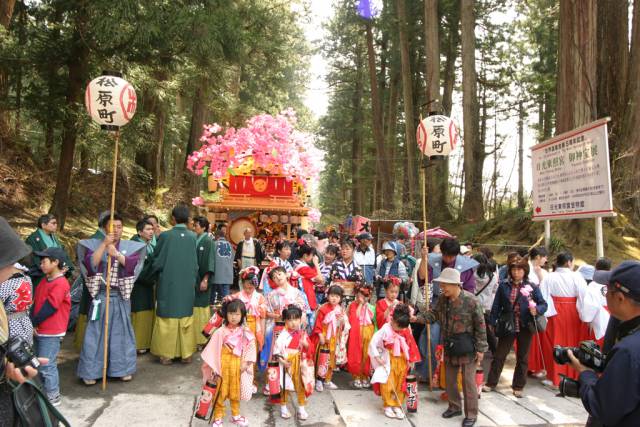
{"x": 176, "y": 263}
{"x": 142, "y": 297}
{"x": 42, "y": 238}
{"x": 206, "y": 266}
{"x": 85, "y": 299}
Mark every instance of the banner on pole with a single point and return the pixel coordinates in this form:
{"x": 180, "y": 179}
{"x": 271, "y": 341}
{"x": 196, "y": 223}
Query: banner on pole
{"x": 571, "y": 175}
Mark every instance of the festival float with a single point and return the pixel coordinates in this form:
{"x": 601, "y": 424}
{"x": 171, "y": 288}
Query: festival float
{"x": 258, "y": 176}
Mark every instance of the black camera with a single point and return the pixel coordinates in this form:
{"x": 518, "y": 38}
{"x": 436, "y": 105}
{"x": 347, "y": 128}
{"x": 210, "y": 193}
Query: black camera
{"x": 20, "y": 353}
{"x": 568, "y": 387}
{"x": 588, "y": 353}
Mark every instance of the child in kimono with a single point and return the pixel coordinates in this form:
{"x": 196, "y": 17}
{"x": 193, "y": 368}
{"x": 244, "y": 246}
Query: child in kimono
{"x": 385, "y": 306}
{"x": 255, "y": 304}
{"x": 393, "y": 352}
{"x": 330, "y": 255}
{"x": 230, "y": 355}
{"x": 290, "y": 350}
{"x": 282, "y": 295}
{"x": 361, "y": 318}
{"x": 328, "y": 327}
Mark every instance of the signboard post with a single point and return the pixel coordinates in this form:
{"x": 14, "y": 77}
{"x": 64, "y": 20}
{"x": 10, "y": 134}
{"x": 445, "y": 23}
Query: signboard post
{"x": 572, "y": 178}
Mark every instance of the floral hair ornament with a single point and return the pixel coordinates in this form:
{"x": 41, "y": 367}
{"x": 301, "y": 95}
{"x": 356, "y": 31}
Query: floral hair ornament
{"x": 250, "y": 274}
{"x": 365, "y": 289}
{"x": 395, "y": 281}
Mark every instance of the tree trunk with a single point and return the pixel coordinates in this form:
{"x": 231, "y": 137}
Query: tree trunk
{"x": 356, "y": 135}
{"x": 438, "y": 173}
{"x": 78, "y": 68}
{"x": 521, "y": 202}
{"x": 6, "y": 13}
{"x": 453, "y": 40}
{"x": 630, "y": 139}
{"x": 409, "y": 116}
{"x": 158, "y": 137}
{"x": 382, "y": 165}
{"x": 198, "y": 114}
{"x": 49, "y": 141}
{"x": 472, "y": 208}
{"x": 392, "y": 117}
{"x": 613, "y": 66}
{"x": 577, "y": 59}
{"x": 613, "y": 61}
{"x": 84, "y": 159}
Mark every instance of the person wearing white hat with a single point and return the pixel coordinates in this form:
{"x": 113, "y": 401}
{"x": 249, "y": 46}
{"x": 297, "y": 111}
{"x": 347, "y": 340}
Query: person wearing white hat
{"x": 465, "y": 341}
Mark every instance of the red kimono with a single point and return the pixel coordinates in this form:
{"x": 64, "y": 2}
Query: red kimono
{"x": 381, "y": 308}
{"x": 307, "y": 274}
{"x": 355, "y": 355}
{"x": 324, "y": 309}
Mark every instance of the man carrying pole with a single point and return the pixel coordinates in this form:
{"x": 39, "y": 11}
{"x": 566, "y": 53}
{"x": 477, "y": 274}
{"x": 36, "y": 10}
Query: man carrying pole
{"x": 118, "y": 263}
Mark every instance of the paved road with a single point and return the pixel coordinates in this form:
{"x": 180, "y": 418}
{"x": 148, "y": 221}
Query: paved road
{"x": 164, "y": 396}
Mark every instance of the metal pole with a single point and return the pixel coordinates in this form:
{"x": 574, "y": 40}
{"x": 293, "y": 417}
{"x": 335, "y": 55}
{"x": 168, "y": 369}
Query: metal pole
{"x": 599, "y": 238}
{"x": 547, "y": 233}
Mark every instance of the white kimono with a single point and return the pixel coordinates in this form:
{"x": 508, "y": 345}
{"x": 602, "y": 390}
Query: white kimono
{"x": 563, "y": 283}
{"x": 593, "y": 309}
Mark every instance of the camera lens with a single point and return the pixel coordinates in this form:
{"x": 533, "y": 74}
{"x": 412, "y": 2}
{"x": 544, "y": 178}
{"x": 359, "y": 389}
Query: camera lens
{"x": 568, "y": 387}
{"x": 560, "y": 355}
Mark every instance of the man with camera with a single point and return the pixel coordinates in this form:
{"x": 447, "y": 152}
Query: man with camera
{"x": 613, "y": 399}
{"x": 12, "y": 249}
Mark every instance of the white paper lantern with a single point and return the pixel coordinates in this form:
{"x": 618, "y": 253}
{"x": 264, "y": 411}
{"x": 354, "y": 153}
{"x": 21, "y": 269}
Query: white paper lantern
{"x": 274, "y": 218}
{"x": 295, "y": 220}
{"x": 110, "y": 101}
{"x": 284, "y": 219}
{"x": 437, "y": 135}
{"x": 264, "y": 218}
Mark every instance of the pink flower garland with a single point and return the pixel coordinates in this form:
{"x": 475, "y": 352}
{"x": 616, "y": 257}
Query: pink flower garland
{"x": 272, "y": 143}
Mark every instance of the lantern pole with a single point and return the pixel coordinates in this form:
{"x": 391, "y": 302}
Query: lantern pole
{"x": 108, "y": 277}
{"x": 427, "y": 285}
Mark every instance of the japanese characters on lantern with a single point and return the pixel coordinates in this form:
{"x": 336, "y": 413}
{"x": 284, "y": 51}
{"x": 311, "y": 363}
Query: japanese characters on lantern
{"x": 437, "y": 135}
{"x": 110, "y": 101}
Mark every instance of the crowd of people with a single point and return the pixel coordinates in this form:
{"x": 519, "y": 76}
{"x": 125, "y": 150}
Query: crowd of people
{"x": 319, "y": 303}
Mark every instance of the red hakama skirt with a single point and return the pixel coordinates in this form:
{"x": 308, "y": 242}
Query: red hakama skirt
{"x": 564, "y": 329}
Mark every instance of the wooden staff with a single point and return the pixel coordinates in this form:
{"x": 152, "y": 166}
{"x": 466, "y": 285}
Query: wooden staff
{"x": 108, "y": 281}
{"x": 427, "y": 285}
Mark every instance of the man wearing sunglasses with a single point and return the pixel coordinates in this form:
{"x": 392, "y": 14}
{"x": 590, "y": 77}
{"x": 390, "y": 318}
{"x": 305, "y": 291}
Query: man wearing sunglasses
{"x": 613, "y": 399}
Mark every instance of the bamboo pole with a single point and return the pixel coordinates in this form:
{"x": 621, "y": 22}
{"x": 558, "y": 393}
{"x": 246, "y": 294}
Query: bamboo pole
{"x": 427, "y": 285}
{"x": 108, "y": 277}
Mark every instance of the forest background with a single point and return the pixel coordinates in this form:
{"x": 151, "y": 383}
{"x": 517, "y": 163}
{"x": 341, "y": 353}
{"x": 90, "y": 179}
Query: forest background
{"x": 550, "y": 66}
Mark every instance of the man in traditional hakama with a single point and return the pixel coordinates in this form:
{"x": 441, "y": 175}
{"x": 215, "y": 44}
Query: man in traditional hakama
{"x": 142, "y": 298}
{"x": 85, "y": 299}
{"x": 564, "y": 291}
{"x": 127, "y": 259}
{"x": 206, "y": 267}
{"x": 176, "y": 262}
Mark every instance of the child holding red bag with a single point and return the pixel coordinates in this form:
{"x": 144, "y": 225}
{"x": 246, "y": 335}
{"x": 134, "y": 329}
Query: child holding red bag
{"x": 330, "y": 321}
{"x": 291, "y": 349}
{"x": 393, "y": 352}
{"x": 230, "y": 355}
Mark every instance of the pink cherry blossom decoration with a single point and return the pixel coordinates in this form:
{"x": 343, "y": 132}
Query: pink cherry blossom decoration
{"x": 314, "y": 215}
{"x": 272, "y": 142}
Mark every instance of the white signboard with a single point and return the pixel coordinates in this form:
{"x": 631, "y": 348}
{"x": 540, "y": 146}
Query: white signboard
{"x": 571, "y": 176}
